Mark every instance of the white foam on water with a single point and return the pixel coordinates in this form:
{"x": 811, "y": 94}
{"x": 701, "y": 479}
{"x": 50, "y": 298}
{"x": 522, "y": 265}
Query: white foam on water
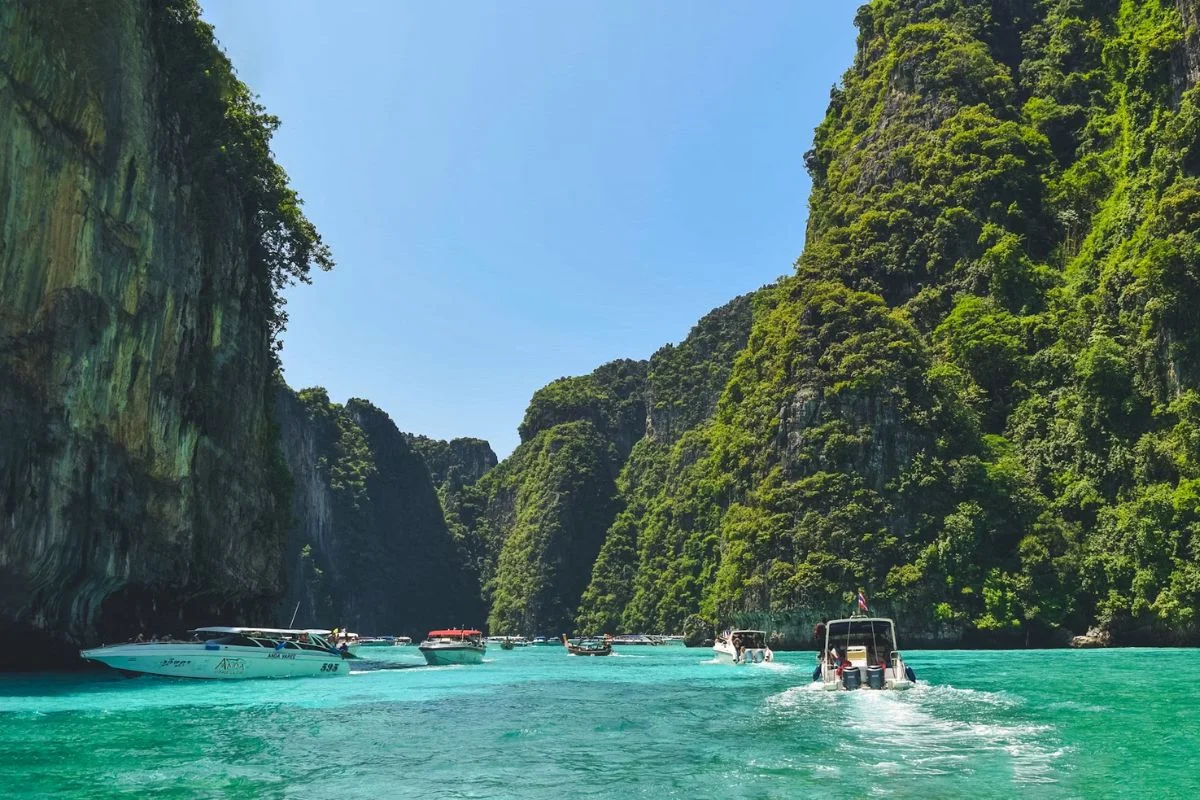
{"x": 928, "y": 730}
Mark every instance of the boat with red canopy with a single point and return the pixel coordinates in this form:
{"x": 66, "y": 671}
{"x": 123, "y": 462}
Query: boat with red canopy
{"x": 453, "y": 646}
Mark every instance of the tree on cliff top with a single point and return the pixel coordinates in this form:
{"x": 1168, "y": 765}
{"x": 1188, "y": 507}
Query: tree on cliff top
{"x": 227, "y": 135}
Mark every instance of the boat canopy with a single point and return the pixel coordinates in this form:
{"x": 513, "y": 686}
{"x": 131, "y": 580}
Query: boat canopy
{"x": 860, "y": 626}
{"x": 453, "y": 632}
{"x": 280, "y": 631}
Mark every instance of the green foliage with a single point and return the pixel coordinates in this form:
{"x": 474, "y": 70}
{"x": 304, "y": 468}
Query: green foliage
{"x": 561, "y": 511}
{"x": 976, "y": 397}
{"x": 374, "y": 550}
{"x": 226, "y": 135}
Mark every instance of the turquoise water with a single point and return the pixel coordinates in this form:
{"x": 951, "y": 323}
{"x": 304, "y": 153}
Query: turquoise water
{"x": 646, "y": 722}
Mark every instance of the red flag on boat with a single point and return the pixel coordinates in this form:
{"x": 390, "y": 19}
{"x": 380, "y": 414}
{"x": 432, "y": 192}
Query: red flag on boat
{"x": 862, "y": 602}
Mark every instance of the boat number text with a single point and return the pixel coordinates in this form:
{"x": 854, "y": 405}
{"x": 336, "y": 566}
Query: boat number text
{"x": 330, "y": 667}
{"x": 174, "y": 662}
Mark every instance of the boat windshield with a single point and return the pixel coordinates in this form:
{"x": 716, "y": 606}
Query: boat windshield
{"x": 876, "y": 636}
{"x": 273, "y": 641}
{"x": 755, "y": 640}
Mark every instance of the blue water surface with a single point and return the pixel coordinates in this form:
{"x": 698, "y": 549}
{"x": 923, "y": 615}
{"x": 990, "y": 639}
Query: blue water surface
{"x": 657, "y": 722}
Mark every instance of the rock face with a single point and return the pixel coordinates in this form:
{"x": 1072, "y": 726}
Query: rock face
{"x": 456, "y": 463}
{"x": 1095, "y": 637}
{"x": 138, "y": 468}
{"x": 976, "y": 398}
{"x": 369, "y": 547}
{"x": 536, "y": 525}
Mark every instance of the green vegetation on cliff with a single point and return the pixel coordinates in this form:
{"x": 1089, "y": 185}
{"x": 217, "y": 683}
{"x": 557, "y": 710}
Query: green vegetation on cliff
{"x": 977, "y": 396}
{"x": 226, "y": 135}
{"x": 369, "y": 546}
{"x": 145, "y": 233}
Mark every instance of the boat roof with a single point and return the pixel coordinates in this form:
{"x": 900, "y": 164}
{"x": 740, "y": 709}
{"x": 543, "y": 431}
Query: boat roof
{"x": 741, "y": 630}
{"x": 456, "y": 632}
{"x": 226, "y": 629}
{"x": 843, "y": 627}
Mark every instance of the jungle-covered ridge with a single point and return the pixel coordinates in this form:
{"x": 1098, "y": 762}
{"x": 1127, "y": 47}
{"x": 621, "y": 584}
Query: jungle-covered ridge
{"x": 975, "y": 395}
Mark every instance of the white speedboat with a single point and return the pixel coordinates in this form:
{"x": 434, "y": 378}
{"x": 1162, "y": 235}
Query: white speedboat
{"x": 743, "y": 647}
{"x": 361, "y": 642}
{"x": 860, "y": 652}
{"x": 453, "y": 646}
{"x": 634, "y": 640}
{"x": 222, "y": 653}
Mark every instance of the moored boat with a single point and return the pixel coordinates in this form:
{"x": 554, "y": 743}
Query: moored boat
{"x": 588, "y": 646}
{"x": 634, "y": 639}
{"x": 453, "y": 646}
{"x": 861, "y": 652}
{"x": 743, "y": 647}
{"x": 229, "y": 653}
{"x": 356, "y": 644}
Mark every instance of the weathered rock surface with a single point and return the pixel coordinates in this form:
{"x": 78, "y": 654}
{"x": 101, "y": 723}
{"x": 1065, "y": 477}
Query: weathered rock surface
{"x": 369, "y": 547}
{"x": 136, "y": 454}
{"x": 1095, "y": 637}
{"x": 454, "y": 463}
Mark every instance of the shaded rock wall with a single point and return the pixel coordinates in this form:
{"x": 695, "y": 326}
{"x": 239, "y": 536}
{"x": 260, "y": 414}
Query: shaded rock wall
{"x": 136, "y": 453}
{"x": 369, "y": 547}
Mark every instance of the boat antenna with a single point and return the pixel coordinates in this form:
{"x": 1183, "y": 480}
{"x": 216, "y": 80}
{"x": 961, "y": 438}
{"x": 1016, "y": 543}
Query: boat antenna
{"x": 294, "y": 613}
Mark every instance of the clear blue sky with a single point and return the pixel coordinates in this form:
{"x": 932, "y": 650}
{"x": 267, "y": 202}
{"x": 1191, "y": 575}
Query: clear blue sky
{"x": 517, "y": 191}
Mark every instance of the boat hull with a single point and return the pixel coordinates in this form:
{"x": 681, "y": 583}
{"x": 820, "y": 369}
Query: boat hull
{"x": 451, "y": 655}
{"x": 217, "y": 662}
{"x": 897, "y": 685}
{"x": 724, "y": 653}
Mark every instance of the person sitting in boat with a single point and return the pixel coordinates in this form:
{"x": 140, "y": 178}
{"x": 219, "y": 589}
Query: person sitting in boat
{"x": 304, "y": 638}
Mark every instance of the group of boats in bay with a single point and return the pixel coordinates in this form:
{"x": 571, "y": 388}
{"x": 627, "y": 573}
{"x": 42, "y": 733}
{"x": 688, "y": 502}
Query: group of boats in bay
{"x": 855, "y": 652}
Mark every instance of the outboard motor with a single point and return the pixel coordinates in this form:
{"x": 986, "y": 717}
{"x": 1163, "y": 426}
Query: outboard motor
{"x": 851, "y": 678}
{"x": 817, "y": 673}
{"x": 875, "y": 677}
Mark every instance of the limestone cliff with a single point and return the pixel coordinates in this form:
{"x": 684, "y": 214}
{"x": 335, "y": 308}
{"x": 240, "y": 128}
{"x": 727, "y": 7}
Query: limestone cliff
{"x": 976, "y": 398}
{"x": 139, "y": 477}
{"x": 369, "y": 547}
{"x": 455, "y": 463}
{"x": 546, "y": 522}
